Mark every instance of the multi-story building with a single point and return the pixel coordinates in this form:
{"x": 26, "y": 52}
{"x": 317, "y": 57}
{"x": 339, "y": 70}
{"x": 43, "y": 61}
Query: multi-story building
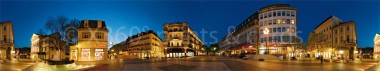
{"x": 92, "y": 42}
{"x": 334, "y": 38}
{"x": 242, "y": 39}
{"x": 376, "y": 46}
{"x": 272, "y": 30}
{"x": 144, "y": 45}
{"x": 278, "y": 25}
{"x": 6, "y": 40}
{"x": 47, "y": 47}
{"x": 180, "y": 40}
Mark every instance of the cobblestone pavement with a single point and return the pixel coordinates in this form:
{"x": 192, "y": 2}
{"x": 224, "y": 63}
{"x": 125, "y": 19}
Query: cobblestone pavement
{"x": 215, "y": 63}
{"x": 15, "y": 66}
{"x": 199, "y": 63}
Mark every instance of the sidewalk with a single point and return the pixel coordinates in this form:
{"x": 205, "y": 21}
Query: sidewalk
{"x": 16, "y": 65}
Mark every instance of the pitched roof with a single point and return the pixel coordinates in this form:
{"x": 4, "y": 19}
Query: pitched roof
{"x": 92, "y": 24}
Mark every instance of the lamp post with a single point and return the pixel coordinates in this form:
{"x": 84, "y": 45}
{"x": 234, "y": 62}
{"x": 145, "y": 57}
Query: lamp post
{"x": 266, "y": 31}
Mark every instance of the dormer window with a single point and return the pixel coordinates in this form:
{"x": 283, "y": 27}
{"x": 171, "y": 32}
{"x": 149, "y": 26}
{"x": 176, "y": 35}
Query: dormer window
{"x": 99, "y": 24}
{"x": 5, "y": 28}
{"x": 85, "y": 24}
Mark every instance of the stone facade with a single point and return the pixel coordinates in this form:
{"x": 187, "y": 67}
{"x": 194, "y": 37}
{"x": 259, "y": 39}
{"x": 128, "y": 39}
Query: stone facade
{"x": 6, "y": 40}
{"x": 180, "y": 40}
{"x": 333, "y": 38}
{"x": 92, "y": 42}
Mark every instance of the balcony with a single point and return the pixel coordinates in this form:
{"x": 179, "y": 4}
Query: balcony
{"x": 6, "y": 41}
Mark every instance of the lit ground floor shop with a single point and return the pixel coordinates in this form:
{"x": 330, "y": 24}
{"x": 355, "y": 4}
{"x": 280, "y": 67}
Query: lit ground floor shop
{"x": 88, "y": 54}
{"x": 142, "y": 54}
{"x": 334, "y": 53}
{"x": 179, "y": 52}
{"x": 283, "y": 52}
{"x": 6, "y": 52}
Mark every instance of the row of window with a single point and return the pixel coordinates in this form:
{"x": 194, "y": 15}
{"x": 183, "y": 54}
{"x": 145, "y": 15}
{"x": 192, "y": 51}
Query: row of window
{"x": 144, "y": 44}
{"x": 335, "y": 31}
{"x": 343, "y": 40}
{"x": 277, "y": 13}
{"x": 279, "y": 29}
{"x": 88, "y": 35}
{"x": 276, "y": 21}
{"x": 278, "y": 39}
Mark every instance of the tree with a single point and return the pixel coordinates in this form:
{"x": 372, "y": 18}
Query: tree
{"x": 41, "y": 32}
{"x": 65, "y": 27}
{"x": 213, "y": 48}
{"x": 63, "y": 31}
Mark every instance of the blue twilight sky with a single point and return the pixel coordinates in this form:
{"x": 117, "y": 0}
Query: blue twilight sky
{"x": 125, "y": 18}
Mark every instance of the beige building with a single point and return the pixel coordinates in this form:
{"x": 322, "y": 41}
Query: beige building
{"x": 333, "y": 38}
{"x": 180, "y": 40}
{"x": 6, "y": 40}
{"x": 47, "y": 47}
{"x": 376, "y": 46}
{"x": 92, "y": 42}
{"x": 144, "y": 45}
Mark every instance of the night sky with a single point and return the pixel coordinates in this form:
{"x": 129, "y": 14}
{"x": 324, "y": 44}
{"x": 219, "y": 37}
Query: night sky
{"x": 124, "y": 18}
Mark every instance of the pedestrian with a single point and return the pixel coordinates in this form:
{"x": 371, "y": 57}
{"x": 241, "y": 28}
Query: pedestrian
{"x": 321, "y": 58}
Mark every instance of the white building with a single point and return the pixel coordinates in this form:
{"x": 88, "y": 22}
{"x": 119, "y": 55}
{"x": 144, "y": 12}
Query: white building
{"x": 278, "y": 25}
{"x": 376, "y": 46}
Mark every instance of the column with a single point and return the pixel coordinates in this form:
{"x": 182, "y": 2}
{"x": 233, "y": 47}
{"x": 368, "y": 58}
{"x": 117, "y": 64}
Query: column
{"x": 185, "y": 52}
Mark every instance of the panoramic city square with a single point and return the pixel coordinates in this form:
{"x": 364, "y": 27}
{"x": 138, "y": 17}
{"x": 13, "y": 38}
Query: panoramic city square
{"x": 192, "y": 35}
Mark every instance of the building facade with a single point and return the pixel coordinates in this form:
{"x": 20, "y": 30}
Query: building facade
{"x": 271, "y": 30}
{"x": 47, "y": 47}
{"x": 278, "y": 25}
{"x": 241, "y": 39}
{"x": 144, "y": 45}
{"x": 334, "y": 38}
{"x": 180, "y": 40}
{"x": 376, "y": 46}
{"x": 6, "y": 40}
{"x": 92, "y": 42}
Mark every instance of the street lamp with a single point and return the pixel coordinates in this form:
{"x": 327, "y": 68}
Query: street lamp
{"x": 266, "y": 32}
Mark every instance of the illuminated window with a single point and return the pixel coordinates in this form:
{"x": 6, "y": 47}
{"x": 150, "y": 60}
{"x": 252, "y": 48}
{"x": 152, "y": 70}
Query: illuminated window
{"x": 99, "y": 54}
{"x": 279, "y": 21}
{"x": 85, "y": 54}
{"x": 287, "y": 29}
{"x": 283, "y": 21}
{"x": 292, "y": 21}
{"x": 293, "y": 30}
